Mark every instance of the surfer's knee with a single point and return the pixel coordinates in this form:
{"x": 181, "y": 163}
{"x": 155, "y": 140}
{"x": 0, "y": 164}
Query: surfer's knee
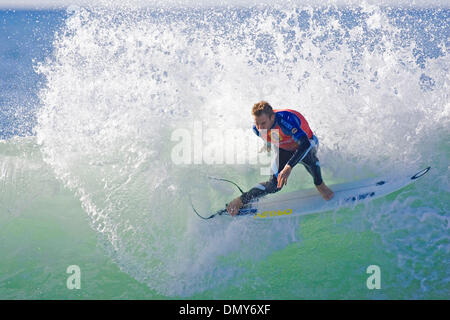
{"x": 260, "y": 190}
{"x": 273, "y": 189}
{"x": 272, "y": 185}
{"x": 269, "y": 186}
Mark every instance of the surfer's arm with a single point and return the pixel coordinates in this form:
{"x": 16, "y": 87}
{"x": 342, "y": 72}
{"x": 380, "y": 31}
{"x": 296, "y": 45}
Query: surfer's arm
{"x": 299, "y": 154}
{"x": 291, "y": 125}
{"x": 302, "y": 150}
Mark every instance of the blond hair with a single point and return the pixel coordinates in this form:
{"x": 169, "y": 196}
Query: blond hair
{"x": 262, "y": 107}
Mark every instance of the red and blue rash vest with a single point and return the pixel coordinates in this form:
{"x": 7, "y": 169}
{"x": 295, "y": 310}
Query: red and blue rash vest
{"x": 292, "y": 132}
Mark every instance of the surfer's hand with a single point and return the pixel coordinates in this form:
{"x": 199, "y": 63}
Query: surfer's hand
{"x": 234, "y": 206}
{"x": 283, "y": 176}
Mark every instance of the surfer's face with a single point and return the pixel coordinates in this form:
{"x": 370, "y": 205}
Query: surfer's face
{"x": 264, "y": 122}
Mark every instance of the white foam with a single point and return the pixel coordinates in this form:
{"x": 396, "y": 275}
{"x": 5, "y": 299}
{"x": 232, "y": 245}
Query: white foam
{"x": 120, "y": 82}
{"x": 55, "y": 4}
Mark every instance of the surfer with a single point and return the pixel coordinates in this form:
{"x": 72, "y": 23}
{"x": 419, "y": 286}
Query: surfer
{"x": 289, "y": 131}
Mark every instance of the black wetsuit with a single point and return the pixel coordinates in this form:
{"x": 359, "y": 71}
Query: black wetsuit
{"x": 310, "y": 162}
{"x": 304, "y": 154}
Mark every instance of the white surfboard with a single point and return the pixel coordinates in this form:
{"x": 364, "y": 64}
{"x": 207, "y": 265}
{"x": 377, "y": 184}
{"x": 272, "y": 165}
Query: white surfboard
{"x": 307, "y": 201}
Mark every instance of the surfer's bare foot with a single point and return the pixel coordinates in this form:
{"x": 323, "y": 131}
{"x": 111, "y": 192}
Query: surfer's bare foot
{"x": 234, "y": 206}
{"x": 326, "y": 192}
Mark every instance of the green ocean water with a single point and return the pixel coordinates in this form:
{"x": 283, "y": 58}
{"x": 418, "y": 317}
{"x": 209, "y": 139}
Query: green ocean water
{"x": 47, "y": 231}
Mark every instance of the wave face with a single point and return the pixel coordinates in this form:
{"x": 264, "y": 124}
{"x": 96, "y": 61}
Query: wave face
{"x": 372, "y": 82}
